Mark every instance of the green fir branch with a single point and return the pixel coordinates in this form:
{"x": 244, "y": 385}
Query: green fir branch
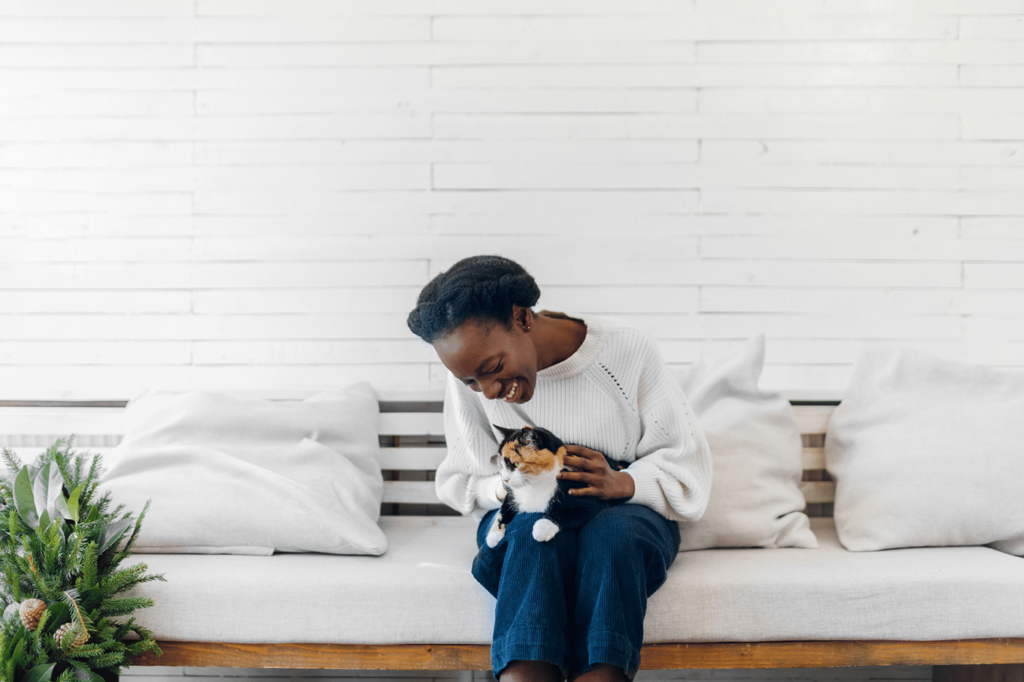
{"x": 13, "y": 462}
{"x": 124, "y": 579}
{"x": 124, "y": 606}
{"x": 134, "y": 536}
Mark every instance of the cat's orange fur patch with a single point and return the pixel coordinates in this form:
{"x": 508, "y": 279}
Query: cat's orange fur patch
{"x": 533, "y": 461}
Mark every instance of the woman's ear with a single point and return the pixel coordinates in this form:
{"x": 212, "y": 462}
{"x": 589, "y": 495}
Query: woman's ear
{"x": 522, "y": 316}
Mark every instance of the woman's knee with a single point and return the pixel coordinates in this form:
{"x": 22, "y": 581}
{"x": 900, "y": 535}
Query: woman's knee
{"x": 629, "y": 535}
{"x": 630, "y": 522}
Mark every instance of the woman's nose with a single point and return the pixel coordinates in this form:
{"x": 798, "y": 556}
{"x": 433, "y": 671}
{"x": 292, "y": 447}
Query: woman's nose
{"x": 492, "y": 390}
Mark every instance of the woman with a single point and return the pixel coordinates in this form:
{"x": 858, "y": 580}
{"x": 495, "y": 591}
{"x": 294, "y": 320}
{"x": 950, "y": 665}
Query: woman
{"x": 573, "y": 605}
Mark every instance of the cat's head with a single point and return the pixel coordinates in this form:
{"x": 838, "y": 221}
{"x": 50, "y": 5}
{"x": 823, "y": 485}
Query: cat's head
{"x": 528, "y": 453}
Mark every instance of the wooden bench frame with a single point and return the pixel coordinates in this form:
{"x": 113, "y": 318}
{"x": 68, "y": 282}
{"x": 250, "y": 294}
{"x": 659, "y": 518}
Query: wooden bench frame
{"x": 412, "y": 446}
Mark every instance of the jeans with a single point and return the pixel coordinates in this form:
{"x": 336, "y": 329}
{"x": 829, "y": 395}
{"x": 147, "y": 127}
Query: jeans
{"x": 578, "y": 599}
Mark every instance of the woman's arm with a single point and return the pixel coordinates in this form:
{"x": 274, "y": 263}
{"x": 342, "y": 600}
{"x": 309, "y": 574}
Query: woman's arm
{"x": 672, "y": 471}
{"x": 468, "y": 477}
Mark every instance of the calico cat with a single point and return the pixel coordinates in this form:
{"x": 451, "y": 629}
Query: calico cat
{"x": 530, "y": 459}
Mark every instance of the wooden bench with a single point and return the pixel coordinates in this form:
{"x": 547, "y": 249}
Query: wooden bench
{"x": 412, "y": 439}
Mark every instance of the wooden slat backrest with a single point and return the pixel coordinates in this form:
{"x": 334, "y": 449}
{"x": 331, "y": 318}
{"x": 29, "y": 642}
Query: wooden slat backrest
{"x": 412, "y": 440}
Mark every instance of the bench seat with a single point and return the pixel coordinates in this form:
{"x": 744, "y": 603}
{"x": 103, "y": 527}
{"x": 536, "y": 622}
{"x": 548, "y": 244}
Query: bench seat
{"x": 421, "y": 591}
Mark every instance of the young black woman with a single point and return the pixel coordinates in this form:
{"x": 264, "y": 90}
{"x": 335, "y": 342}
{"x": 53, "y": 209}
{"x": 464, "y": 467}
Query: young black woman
{"x": 573, "y": 606}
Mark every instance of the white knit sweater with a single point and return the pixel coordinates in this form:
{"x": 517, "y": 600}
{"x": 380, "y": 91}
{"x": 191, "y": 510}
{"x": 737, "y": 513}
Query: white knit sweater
{"x": 614, "y": 395}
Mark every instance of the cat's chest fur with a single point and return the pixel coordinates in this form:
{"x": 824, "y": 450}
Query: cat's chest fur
{"x": 538, "y": 494}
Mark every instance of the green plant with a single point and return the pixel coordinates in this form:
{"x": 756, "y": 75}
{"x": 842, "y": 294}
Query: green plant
{"x": 61, "y": 544}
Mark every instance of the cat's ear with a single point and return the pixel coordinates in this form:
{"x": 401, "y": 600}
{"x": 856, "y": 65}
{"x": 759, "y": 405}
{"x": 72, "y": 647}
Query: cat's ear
{"x": 504, "y": 432}
{"x": 529, "y": 435}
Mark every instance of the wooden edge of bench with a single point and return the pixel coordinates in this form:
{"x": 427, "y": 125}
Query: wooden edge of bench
{"x": 692, "y": 656}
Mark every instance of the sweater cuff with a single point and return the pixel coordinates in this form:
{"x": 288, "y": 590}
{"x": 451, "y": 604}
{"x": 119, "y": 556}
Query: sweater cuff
{"x": 647, "y": 490}
{"x": 487, "y": 492}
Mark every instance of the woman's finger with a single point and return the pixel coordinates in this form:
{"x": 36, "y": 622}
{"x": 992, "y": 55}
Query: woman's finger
{"x": 589, "y": 490}
{"x": 578, "y": 462}
{"x": 581, "y": 451}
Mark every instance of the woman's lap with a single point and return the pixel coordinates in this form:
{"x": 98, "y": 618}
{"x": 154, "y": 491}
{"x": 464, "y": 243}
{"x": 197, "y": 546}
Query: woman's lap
{"x": 549, "y": 605}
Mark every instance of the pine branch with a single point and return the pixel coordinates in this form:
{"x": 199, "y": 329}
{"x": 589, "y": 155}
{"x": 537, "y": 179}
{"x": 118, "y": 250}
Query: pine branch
{"x": 123, "y": 629}
{"x": 88, "y": 579}
{"x": 124, "y": 606}
{"x": 135, "y": 534}
{"x": 123, "y": 579}
{"x": 14, "y": 464}
{"x": 107, "y": 660}
{"x": 70, "y": 597}
{"x": 91, "y": 484}
{"x": 141, "y": 647}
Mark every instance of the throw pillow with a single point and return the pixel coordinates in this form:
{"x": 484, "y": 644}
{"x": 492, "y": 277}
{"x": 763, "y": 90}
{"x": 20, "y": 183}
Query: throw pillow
{"x": 756, "y": 453}
{"x": 229, "y": 475}
{"x": 928, "y": 452}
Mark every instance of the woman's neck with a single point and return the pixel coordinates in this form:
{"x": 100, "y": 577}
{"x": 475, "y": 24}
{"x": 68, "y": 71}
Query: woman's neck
{"x": 557, "y": 337}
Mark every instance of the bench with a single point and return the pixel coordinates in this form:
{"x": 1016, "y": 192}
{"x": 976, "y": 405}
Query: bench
{"x": 412, "y": 439}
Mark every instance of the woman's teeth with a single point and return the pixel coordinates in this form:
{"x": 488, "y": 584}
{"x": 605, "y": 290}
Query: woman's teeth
{"x": 512, "y": 391}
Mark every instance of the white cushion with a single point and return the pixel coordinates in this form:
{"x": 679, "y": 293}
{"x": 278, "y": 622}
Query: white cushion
{"x": 243, "y": 476}
{"x": 757, "y": 456}
{"x": 422, "y": 591}
{"x": 928, "y": 452}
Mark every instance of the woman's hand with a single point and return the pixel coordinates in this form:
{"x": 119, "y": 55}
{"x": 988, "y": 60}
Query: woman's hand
{"x": 592, "y": 468}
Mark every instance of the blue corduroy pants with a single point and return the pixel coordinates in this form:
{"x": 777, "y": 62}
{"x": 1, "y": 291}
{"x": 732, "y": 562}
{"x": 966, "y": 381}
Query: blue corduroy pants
{"x": 578, "y": 599}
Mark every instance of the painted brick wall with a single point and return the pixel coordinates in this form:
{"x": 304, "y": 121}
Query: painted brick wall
{"x": 248, "y": 194}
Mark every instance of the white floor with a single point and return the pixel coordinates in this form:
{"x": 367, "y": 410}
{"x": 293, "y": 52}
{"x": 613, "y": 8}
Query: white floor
{"x": 146, "y": 674}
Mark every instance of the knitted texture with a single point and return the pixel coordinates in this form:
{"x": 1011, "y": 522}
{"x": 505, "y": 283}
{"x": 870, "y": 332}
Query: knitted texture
{"x": 614, "y": 395}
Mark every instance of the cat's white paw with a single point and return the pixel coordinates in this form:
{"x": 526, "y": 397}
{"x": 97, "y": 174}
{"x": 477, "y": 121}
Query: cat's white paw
{"x": 544, "y": 530}
{"x": 495, "y": 536}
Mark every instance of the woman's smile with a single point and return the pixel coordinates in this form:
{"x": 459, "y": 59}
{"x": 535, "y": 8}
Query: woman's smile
{"x": 512, "y": 391}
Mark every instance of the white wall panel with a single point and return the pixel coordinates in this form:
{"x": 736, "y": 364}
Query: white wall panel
{"x": 249, "y": 194}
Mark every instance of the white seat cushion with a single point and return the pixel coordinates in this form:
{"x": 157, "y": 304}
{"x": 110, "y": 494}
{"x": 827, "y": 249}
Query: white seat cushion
{"x": 422, "y": 591}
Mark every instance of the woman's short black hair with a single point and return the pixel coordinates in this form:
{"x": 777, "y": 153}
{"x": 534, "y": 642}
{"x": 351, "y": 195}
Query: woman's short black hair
{"x": 478, "y": 287}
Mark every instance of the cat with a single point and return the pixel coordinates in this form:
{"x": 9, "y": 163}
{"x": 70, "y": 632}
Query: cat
{"x": 530, "y": 459}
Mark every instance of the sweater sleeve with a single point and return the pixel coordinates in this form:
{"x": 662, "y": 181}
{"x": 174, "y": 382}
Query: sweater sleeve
{"x": 672, "y": 471}
{"x": 468, "y": 477}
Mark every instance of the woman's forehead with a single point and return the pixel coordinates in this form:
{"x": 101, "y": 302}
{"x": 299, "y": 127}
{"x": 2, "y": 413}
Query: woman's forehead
{"x": 465, "y": 350}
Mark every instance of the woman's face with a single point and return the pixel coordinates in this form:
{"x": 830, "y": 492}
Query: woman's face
{"x": 491, "y": 359}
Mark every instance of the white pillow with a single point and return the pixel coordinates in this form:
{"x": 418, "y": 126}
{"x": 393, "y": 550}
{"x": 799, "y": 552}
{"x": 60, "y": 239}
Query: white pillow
{"x": 229, "y": 475}
{"x": 928, "y": 452}
{"x": 757, "y": 457}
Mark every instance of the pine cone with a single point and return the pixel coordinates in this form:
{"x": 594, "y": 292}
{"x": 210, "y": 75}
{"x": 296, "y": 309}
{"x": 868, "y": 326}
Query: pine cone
{"x": 31, "y": 610}
{"x": 81, "y": 637}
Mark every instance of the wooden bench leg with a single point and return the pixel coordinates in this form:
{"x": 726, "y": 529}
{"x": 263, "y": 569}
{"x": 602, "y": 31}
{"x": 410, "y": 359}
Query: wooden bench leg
{"x": 1013, "y": 672}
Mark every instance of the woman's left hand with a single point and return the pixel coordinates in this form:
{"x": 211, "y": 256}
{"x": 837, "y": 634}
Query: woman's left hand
{"x": 592, "y": 468}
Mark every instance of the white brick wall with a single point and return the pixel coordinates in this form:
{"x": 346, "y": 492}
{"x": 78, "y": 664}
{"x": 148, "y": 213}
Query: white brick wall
{"x": 248, "y": 194}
